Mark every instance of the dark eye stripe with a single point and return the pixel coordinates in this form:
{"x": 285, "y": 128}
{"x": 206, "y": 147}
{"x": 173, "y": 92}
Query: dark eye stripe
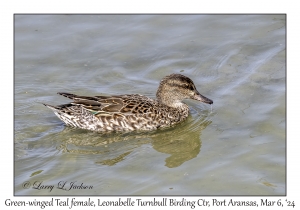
{"x": 190, "y": 87}
{"x": 185, "y": 86}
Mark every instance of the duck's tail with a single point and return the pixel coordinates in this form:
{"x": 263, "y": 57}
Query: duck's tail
{"x": 68, "y": 95}
{"x": 51, "y": 106}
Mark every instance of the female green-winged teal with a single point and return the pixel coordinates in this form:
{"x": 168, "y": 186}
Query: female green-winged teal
{"x": 131, "y": 112}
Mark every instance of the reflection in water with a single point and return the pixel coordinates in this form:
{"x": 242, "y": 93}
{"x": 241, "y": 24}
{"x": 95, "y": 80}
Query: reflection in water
{"x": 181, "y": 147}
{"x": 113, "y": 161}
{"x": 181, "y": 142}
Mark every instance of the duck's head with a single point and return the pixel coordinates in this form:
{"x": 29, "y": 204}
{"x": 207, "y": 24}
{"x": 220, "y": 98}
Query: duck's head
{"x": 176, "y": 87}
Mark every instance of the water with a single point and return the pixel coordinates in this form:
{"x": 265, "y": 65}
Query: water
{"x": 236, "y": 147}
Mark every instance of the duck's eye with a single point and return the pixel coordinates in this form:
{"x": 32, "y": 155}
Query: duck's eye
{"x": 190, "y": 87}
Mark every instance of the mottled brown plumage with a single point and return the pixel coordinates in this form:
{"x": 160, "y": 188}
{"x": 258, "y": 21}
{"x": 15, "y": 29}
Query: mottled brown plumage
{"x": 131, "y": 112}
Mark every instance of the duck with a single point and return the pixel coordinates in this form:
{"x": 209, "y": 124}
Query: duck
{"x": 131, "y": 112}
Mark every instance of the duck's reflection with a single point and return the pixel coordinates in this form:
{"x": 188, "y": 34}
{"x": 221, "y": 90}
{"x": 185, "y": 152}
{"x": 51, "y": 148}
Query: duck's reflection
{"x": 182, "y": 143}
{"x": 183, "y": 146}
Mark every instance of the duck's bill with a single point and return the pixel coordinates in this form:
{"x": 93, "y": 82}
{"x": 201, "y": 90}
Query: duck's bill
{"x": 203, "y": 99}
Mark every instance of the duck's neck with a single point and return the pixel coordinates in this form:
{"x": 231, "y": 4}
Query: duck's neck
{"x": 169, "y": 98}
{"x": 176, "y": 104}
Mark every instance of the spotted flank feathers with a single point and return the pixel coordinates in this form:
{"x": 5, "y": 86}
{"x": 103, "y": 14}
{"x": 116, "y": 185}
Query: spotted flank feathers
{"x": 131, "y": 112}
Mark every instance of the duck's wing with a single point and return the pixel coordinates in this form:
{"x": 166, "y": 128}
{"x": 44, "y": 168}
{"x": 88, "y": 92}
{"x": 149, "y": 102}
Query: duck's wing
{"x": 116, "y": 104}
